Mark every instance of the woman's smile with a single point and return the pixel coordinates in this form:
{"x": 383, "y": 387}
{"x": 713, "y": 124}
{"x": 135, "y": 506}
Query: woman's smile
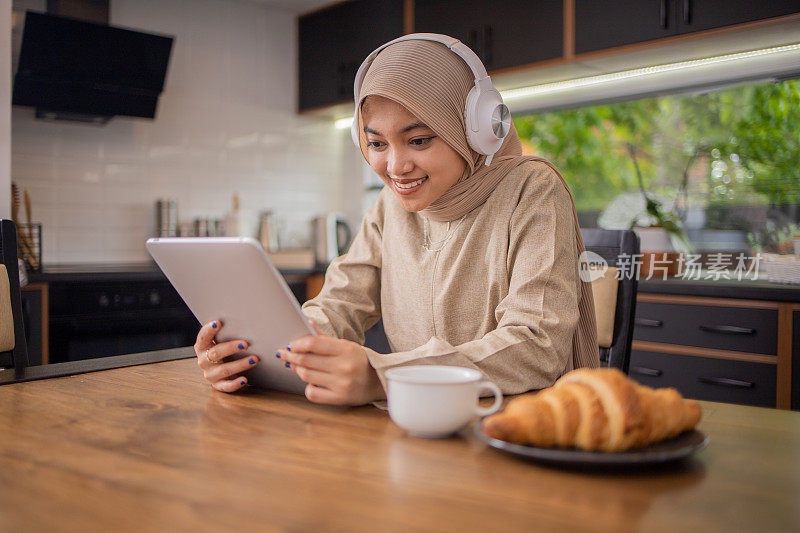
{"x": 408, "y": 186}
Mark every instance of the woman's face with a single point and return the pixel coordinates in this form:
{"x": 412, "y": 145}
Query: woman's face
{"x": 415, "y": 162}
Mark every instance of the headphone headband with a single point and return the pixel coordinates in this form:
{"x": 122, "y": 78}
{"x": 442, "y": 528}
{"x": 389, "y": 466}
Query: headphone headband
{"x": 460, "y": 49}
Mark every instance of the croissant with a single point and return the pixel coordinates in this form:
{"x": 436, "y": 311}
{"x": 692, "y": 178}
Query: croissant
{"x": 594, "y": 409}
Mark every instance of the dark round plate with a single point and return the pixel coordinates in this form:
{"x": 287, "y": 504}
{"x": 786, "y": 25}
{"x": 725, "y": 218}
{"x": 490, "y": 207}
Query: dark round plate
{"x": 665, "y": 451}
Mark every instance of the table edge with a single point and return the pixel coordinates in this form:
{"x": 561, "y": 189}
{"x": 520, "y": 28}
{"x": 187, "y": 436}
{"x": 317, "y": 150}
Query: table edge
{"x": 56, "y": 370}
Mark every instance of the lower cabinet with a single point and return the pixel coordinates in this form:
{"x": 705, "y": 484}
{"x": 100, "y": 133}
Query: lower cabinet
{"x": 707, "y": 378}
{"x": 79, "y": 317}
{"x": 732, "y": 350}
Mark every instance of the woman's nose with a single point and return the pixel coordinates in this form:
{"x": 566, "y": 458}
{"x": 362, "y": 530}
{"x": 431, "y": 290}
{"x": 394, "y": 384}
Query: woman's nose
{"x": 399, "y": 163}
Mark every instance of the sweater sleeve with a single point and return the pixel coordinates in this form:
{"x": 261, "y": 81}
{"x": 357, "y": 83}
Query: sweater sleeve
{"x": 349, "y": 302}
{"x": 532, "y": 344}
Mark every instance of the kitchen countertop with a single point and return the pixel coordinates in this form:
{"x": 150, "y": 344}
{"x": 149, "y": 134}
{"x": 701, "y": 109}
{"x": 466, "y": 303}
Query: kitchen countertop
{"x": 759, "y": 289}
{"x": 122, "y": 272}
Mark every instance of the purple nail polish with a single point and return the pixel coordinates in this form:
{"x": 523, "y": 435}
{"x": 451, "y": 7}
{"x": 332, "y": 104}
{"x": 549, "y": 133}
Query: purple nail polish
{"x": 241, "y": 346}
{"x": 288, "y": 347}
{"x": 243, "y": 382}
{"x": 252, "y": 361}
{"x": 286, "y": 365}
{"x": 278, "y": 355}
{"x": 214, "y": 325}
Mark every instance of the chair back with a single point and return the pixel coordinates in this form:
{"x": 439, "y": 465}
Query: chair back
{"x": 620, "y": 249}
{"x": 13, "y": 348}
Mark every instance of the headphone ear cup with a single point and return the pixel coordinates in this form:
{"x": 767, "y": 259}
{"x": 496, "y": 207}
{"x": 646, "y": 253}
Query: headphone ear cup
{"x": 478, "y": 114}
{"x": 470, "y": 115}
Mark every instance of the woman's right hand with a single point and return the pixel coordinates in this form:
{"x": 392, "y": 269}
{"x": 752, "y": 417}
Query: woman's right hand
{"x": 223, "y": 375}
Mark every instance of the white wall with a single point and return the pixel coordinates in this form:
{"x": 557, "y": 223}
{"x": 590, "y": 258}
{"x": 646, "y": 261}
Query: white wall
{"x": 5, "y": 109}
{"x": 225, "y": 122}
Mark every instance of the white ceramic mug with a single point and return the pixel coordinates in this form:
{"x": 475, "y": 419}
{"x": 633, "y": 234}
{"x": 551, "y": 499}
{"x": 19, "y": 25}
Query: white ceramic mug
{"x": 436, "y": 401}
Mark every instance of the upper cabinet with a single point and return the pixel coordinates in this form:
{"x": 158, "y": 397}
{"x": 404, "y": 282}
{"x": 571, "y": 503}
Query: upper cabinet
{"x": 607, "y": 23}
{"x": 334, "y": 42}
{"x": 601, "y": 24}
{"x": 696, "y": 15}
{"x": 503, "y": 34}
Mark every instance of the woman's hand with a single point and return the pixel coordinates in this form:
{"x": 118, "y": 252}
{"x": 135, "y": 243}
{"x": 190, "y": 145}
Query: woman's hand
{"x": 337, "y": 371}
{"x": 223, "y": 376}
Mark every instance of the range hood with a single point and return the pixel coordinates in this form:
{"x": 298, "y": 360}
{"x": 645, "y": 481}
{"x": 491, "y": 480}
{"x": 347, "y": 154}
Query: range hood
{"x": 77, "y": 70}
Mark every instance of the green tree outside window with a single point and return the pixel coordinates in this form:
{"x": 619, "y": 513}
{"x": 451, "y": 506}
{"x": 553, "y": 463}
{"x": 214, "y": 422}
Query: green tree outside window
{"x": 737, "y": 147}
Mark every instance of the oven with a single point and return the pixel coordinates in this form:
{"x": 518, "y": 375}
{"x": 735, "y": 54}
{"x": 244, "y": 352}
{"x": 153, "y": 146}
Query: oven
{"x": 91, "y": 319}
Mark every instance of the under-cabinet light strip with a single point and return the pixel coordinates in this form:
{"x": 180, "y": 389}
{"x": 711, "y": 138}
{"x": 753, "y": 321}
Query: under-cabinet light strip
{"x": 646, "y": 71}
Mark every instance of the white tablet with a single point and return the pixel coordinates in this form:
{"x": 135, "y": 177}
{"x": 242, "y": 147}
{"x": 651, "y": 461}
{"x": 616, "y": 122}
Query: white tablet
{"x": 233, "y": 280}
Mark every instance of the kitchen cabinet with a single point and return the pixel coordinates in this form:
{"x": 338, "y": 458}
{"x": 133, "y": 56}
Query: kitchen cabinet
{"x": 706, "y": 378}
{"x": 609, "y": 23}
{"x": 80, "y": 312}
{"x": 503, "y": 34}
{"x": 708, "y": 326}
{"x": 334, "y": 41}
{"x": 697, "y": 15}
{"x": 719, "y": 349}
{"x": 90, "y": 318}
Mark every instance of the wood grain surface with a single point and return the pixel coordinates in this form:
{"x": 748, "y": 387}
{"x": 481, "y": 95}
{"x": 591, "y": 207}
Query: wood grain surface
{"x": 153, "y": 448}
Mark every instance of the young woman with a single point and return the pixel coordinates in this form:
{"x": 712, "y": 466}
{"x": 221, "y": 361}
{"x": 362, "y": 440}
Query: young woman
{"x": 470, "y": 254}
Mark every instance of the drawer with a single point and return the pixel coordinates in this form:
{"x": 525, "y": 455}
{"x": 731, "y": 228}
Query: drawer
{"x": 724, "y": 328}
{"x": 706, "y": 378}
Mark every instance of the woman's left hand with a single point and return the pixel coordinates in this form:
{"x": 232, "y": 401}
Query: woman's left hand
{"x": 337, "y": 371}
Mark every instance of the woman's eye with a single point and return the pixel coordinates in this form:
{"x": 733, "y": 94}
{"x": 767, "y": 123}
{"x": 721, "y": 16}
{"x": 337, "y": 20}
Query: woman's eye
{"x": 374, "y": 144}
{"x": 421, "y": 141}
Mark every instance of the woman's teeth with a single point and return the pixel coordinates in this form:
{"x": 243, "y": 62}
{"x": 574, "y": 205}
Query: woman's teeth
{"x": 410, "y": 185}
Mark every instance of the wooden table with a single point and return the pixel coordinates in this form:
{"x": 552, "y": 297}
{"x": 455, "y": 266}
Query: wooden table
{"x": 152, "y": 447}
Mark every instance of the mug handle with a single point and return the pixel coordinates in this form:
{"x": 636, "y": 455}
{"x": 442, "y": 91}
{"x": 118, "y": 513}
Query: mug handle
{"x": 498, "y": 399}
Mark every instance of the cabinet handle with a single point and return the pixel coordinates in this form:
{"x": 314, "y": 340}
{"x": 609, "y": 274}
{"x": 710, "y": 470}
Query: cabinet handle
{"x": 664, "y": 20}
{"x": 687, "y": 11}
{"x": 644, "y": 371}
{"x": 647, "y": 323}
{"x": 487, "y": 46}
{"x": 727, "y": 382}
{"x": 733, "y": 330}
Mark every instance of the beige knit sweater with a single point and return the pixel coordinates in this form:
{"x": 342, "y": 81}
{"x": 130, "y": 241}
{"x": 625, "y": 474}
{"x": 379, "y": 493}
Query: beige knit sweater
{"x": 501, "y": 296}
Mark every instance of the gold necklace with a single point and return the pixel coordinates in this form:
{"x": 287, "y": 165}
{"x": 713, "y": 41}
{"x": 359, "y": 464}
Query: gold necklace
{"x": 427, "y": 244}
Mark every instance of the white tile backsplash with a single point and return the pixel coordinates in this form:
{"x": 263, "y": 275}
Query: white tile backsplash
{"x": 225, "y": 123}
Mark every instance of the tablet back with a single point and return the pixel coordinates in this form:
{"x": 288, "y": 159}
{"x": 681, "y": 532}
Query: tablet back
{"x": 231, "y": 279}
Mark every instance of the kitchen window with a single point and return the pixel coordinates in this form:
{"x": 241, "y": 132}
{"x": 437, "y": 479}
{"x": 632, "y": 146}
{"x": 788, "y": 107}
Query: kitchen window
{"x": 725, "y": 164}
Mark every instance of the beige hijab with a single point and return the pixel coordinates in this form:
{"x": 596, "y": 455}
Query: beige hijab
{"x": 432, "y": 82}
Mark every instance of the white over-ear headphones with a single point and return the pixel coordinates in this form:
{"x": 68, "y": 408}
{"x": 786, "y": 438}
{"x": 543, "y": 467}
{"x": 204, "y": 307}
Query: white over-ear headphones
{"x": 487, "y": 117}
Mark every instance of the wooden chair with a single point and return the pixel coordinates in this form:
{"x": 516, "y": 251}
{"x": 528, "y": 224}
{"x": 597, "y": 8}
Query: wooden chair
{"x": 615, "y": 303}
{"x": 13, "y": 349}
